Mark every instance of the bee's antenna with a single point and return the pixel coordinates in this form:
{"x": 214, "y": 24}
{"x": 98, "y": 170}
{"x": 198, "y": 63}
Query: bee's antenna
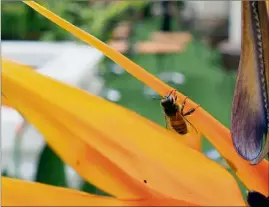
{"x": 197, "y": 106}
{"x": 155, "y": 98}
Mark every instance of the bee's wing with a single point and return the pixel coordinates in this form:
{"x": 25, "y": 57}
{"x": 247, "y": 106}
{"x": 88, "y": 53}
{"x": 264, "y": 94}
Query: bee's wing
{"x": 167, "y": 123}
{"x": 249, "y": 108}
{"x": 191, "y": 128}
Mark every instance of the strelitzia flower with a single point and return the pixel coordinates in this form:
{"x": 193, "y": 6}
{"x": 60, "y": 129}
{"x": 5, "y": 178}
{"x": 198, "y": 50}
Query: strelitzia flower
{"x": 122, "y": 153}
{"x": 113, "y": 148}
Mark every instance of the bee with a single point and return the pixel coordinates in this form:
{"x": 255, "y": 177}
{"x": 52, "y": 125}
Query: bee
{"x": 174, "y": 115}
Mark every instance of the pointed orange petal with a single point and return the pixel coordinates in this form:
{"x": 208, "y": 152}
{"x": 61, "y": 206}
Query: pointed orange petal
{"x": 23, "y": 193}
{"x": 252, "y": 176}
{"x": 114, "y": 148}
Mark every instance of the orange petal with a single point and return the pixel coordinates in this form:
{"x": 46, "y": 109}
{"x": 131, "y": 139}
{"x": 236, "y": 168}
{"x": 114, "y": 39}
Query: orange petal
{"x": 193, "y": 141}
{"x": 252, "y": 176}
{"x": 114, "y": 148}
{"x": 23, "y": 193}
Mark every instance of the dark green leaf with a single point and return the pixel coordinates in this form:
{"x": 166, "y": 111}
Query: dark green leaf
{"x": 50, "y": 169}
{"x": 5, "y": 173}
{"x": 89, "y": 188}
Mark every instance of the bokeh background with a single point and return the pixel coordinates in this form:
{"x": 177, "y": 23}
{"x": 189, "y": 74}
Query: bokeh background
{"x": 199, "y": 58}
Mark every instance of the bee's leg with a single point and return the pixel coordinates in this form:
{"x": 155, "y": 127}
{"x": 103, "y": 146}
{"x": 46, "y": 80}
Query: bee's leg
{"x": 183, "y": 104}
{"x": 191, "y": 111}
{"x": 171, "y": 92}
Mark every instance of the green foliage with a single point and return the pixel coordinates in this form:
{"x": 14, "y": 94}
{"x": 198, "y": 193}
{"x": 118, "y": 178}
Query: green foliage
{"x": 98, "y": 18}
{"x": 102, "y": 17}
{"x": 94, "y": 19}
{"x": 50, "y": 169}
{"x": 5, "y": 173}
{"x": 13, "y": 21}
{"x": 69, "y": 11}
{"x": 89, "y": 188}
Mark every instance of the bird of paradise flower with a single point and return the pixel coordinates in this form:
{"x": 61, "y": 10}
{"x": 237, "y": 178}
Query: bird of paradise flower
{"x": 120, "y": 162}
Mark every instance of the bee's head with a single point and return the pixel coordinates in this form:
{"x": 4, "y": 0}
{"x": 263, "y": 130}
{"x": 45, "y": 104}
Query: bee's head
{"x": 167, "y": 101}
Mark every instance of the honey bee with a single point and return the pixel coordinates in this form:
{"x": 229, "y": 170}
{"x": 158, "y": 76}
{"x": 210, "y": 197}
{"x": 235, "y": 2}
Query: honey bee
{"x": 174, "y": 115}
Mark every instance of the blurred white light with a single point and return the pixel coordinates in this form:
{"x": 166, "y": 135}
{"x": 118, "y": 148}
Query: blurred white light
{"x": 149, "y": 92}
{"x": 28, "y": 170}
{"x": 213, "y": 154}
{"x": 73, "y": 179}
{"x": 178, "y": 78}
{"x": 113, "y": 95}
{"x": 174, "y": 77}
{"x": 116, "y": 69}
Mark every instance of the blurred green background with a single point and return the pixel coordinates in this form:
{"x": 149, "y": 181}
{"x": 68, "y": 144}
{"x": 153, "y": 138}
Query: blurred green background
{"x": 205, "y": 80}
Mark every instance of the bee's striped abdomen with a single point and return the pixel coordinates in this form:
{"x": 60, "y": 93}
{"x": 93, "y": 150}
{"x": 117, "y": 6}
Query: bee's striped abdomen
{"x": 178, "y": 124}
